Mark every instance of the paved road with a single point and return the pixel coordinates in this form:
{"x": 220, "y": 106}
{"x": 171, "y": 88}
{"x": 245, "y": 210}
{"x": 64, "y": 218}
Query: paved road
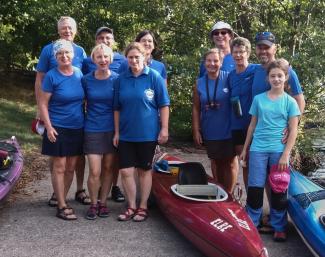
{"x": 29, "y": 228}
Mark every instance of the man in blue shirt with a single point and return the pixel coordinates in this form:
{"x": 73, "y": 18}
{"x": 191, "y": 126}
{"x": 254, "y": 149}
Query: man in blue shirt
{"x": 265, "y": 52}
{"x": 104, "y": 35}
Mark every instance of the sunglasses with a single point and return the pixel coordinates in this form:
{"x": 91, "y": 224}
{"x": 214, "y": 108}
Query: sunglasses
{"x": 265, "y": 36}
{"x": 217, "y": 33}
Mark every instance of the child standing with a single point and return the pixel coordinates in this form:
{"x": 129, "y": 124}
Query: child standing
{"x": 272, "y": 112}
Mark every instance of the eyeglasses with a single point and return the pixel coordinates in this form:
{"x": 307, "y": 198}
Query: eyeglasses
{"x": 265, "y": 36}
{"x": 217, "y": 33}
{"x": 241, "y": 53}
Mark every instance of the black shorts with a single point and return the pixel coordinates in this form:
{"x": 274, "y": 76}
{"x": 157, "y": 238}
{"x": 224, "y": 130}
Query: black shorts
{"x": 219, "y": 149}
{"x": 99, "y": 143}
{"x": 239, "y": 136}
{"x": 136, "y": 154}
{"x": 68, "y": 143}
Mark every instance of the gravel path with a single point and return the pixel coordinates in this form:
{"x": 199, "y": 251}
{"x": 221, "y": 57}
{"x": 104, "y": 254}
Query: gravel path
{"x": 28, "y": 227}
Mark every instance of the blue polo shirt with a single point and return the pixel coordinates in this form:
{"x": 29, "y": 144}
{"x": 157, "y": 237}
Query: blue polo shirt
{"x": 215, "y": 122}
{"x": 89, "y": 66}
{"x": 66, "y": 103}
{"x": 99, "y": 96}
{"x": 260, "y": 83}
{"x": 153, "y": 64}
{"x": 228, "y": 64}
{"x": 272, "y": 118}
{"x": 47, "y": 60}
{"x": 138, "y": 100}
{"x": 240, "y": 85}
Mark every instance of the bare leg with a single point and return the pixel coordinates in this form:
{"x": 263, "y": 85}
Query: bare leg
{"x": 107, "y": 174}
{"x": 129, "y": 185}
{"x": 231, "y": 173}
{"x": 145, "y": 179}
{"x": 58, "y": 170}
{"x": 94, "y": 176}
{"x": 80, "y": 172}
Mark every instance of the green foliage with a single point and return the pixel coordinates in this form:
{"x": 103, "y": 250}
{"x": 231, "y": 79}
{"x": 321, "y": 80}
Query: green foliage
{"x": 182, "y": 27}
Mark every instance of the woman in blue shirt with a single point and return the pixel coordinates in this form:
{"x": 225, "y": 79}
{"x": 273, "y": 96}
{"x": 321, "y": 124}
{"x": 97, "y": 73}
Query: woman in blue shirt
{"x": 211, "y": 119}
{"x": 61, "y": 106}
{"x": 272, "y": 112}
{"x": 141, "y": 105}
{"x": 99, "y": 129}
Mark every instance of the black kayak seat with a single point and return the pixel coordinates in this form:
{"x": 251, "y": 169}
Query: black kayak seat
{"x": 192, "y": 173}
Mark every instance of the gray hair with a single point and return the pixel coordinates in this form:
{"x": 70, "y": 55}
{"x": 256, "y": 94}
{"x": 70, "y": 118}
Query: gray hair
{"x": 70, "y": 20}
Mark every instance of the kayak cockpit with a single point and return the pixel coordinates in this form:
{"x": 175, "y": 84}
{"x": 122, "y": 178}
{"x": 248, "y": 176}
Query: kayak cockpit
{"x": 201, "y": 193}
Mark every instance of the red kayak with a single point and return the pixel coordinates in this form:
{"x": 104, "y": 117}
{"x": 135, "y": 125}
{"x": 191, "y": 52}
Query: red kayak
{"x": 11, "y": 165}
{"x": 204, "y": 212}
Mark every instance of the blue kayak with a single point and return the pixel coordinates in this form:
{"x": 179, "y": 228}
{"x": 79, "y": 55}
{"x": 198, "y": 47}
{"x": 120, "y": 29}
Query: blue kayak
{"x": 306, "y": 208}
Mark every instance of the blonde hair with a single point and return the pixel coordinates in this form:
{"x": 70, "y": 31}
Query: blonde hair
{"x": 134, "y": 45}
{"x": 70, "y": 20}
{"x": 106, "y": 49}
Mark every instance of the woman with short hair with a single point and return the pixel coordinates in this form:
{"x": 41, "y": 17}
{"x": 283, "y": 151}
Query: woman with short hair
{"x": 61, "y": 106}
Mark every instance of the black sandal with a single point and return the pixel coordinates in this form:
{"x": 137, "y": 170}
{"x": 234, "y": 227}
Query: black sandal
{"x": 66, "y": 213}
{"x": 82, "y": 197}
{"x": 53, "y": 202}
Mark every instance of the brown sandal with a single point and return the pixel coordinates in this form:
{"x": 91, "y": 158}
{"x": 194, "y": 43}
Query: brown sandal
{"x": 82, "y": 197}
{"x": 127, "y": 215}
{"x": 142, "y": 213}
{"x": 66, "y": 213}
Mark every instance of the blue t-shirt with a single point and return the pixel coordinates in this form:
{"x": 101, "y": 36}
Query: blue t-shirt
{"x": 99, "y": 96}
{"x": 153, "y": 64}
{"x": 66, "y": 103}
{"x": 260, "y": 83}
{"x": 138, "y": 99}
{"x": 272, "y": 118}
{"x": 215, "y": 122}
{"x": 240, "y": 85}
{"x": 228, "y": 64}
{"x": 89, "y": 66}
{"x": 47, "y": 60}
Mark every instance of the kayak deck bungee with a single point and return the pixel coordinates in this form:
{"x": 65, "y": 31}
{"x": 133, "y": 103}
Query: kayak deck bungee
{"x": 306, "y": 208}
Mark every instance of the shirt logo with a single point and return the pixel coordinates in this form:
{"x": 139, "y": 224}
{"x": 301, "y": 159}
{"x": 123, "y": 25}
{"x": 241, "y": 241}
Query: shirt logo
{"x": 149, "y": 94}
{"x": 225, "y": 90}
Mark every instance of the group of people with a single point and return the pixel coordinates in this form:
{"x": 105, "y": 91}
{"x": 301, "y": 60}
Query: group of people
{"x": 88, "y": 109}
{"x": 248, "y": 113}
{"x": 115, "y": 110}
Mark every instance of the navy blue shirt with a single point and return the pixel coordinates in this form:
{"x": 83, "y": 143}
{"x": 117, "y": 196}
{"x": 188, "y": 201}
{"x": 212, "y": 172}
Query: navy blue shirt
{"x": 138, "y": 100}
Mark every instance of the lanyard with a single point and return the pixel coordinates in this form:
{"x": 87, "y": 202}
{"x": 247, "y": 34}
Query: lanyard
{"x": 214, "y": 101}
